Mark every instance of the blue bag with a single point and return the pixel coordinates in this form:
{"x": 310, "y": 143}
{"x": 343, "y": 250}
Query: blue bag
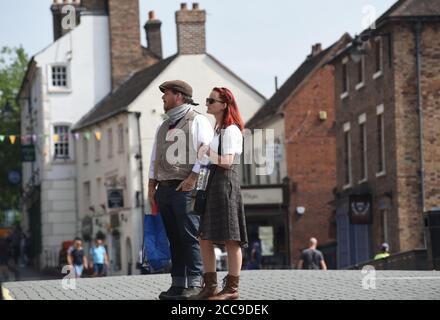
{"x": 156, "y": 245}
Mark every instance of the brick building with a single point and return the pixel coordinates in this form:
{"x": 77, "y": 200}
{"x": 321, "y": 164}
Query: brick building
{"x": 387, "y": 126}
{"x": 308, "y": 157}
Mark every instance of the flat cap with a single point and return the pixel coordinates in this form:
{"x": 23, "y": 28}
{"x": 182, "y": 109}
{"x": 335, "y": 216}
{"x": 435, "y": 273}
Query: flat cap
{"x": 177, "y": 85}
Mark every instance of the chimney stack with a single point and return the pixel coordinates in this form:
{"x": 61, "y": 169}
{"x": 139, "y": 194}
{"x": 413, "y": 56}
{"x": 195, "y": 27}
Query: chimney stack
{"x": 154, "y": 38}
{"x": 191, "y": 37}
{"x": 95, "y": 5}
{"x": 125, "y": 39}
{"x": 58, "y": 16}
{"x": 316, "y": 49}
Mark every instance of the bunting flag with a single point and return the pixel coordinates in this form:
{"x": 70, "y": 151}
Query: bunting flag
{"x": 33, "y": 138}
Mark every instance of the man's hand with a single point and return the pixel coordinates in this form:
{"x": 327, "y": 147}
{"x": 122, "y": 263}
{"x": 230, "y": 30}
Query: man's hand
{"x": 151, "y": 192}
{"x": 189, "y": 183}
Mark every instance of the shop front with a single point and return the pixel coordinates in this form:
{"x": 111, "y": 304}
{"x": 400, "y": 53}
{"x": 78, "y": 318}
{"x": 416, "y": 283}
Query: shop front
{"x": 268, "y": 223}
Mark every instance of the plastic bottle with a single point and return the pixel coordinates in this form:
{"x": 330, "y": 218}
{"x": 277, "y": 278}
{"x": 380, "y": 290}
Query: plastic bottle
{"x": 202, "y": 180}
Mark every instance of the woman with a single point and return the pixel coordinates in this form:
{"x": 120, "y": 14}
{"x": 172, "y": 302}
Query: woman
{"x": 223, "y": 221}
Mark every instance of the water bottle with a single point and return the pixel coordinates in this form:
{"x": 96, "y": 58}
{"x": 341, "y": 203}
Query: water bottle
{"x": 202, "y": 180}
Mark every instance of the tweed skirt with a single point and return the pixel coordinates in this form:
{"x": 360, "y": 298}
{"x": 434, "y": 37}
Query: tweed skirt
{"x": 224, "y": 217}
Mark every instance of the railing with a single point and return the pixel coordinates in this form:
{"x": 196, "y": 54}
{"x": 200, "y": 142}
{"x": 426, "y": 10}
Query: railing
{"x": 409, "y": 260}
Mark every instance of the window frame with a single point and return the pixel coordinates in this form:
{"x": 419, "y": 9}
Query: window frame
{"x": 347, "y": 156}
{"x": 54, "y": 144}
{"x": 363, "y": 149}
{"x": 54, "y": 88}
{"x": 378, "y": 44}
{"x": 381, "y": 148}
{"x": 344, "y": 69}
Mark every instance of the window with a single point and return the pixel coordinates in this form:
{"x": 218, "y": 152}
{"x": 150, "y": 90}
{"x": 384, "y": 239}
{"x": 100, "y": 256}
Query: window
{"x": 278, "y": 172}
{"x": 97, "y": 149}
{"x": 384, "y": 216}
{"x": 85, "y": 146}
{"x": 61, "y": 142}
{"x": 380, "y": 142}
{"x": 363, "y": 148}
{"x": 59, "y": 76}
{"x": 378, "y": 58}
{"x": 347, "y": 156}
{"x": 110, "y": 142}
{"x": 360, "y": 73}
{"x": 98, "y": 190}
{"x": 87, "y": 203}
{"x": 120, "y": 138}
{"x": 345, "y": 84}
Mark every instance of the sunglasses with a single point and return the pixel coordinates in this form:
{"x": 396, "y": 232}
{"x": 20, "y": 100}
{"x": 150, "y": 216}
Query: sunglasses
{"x": 211, "y": 101}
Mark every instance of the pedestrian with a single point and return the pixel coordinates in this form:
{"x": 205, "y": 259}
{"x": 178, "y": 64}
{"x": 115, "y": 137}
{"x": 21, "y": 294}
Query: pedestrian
{"x": 76, "y": 258}
{"x": 175, "y": 179}
{"x": 99, "y": 259}
{"x": 15, "y": 241}
{"x": 255, "y": 256}
{"x": 384, "y": 252}
{"x": 311, "y": 258}
{"x": 223, "y": 221}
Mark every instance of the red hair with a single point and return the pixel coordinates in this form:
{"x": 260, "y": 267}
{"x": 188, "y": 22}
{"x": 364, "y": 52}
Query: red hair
{"x": 231, "y": 115}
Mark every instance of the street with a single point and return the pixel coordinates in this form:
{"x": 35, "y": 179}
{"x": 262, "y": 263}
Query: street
{"x": 255, "y": 285}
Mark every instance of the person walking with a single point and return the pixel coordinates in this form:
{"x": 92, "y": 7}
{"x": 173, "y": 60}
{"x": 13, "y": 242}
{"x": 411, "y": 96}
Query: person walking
{"x": 77, "y": 258}
{"x": 311, "y": 258}
{"x": 99, "y": 258}
{"x": 175, "y": 179}
{"x": 223, "y": 221}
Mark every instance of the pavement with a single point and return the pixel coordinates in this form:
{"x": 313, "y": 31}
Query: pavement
{"x": 254, "y": 285}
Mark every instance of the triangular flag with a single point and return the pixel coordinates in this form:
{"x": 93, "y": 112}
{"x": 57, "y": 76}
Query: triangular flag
{"x": 56, "y": 138}
{"x": 12, "y": 139}
{"x": 2, "y": 138}
{"x": 98, "y": 135}
{"x": 87, "y": 135}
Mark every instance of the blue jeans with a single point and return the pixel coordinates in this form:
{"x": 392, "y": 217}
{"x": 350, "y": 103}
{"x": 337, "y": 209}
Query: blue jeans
{"x": 182, "y": 228}
{"x": 78, "y": 270}
{"x": 98, "y": 269}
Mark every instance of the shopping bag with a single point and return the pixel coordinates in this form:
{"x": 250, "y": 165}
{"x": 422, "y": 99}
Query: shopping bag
{"x": 156, "y": 245}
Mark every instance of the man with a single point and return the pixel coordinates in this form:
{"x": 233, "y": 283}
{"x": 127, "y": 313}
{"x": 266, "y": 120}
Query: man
{"x": 311, "y": 258}
{"x": 384, "y": 252}
{"x": 175, "y": 176}
{"x": 76, "y": 258}
{"x": 99, "y": 258}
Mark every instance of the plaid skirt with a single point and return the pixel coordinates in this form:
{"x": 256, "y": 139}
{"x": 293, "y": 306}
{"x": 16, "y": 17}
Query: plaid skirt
{"x": 224, "y": 217}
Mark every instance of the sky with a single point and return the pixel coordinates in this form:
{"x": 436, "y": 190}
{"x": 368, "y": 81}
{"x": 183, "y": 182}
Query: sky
{"x": 257, "y": 39}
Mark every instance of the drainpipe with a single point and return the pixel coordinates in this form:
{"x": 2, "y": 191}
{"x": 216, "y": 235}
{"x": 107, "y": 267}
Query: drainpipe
{"x": 418, "y": 33}
{"x": 141, "y": 172}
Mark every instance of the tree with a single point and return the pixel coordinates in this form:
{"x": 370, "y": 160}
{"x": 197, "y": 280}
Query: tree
{"x": 13, "y": 64}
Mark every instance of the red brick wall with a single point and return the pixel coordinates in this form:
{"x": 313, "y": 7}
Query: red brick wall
{"x": 311, "y": 160}
{"x": 125, "y": 41}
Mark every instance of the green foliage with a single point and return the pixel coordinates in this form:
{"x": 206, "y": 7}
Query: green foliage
{"x": 13, "y": 65}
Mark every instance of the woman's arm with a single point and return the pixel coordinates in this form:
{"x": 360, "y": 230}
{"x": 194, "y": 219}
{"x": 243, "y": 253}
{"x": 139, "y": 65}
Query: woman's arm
{"x": 225, "y": 161}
